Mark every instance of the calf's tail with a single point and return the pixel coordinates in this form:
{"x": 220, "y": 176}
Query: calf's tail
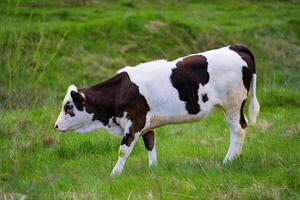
{"x": 254, "y": 105}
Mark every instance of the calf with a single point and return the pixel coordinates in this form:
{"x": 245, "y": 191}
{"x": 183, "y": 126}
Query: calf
{"x": 139, "y": 99}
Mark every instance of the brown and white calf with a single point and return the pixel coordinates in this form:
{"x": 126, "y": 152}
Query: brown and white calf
{"x": 138, "y": 99}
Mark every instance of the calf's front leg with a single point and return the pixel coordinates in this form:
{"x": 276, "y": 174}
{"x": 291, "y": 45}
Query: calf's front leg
{"x": 125, "y": 149}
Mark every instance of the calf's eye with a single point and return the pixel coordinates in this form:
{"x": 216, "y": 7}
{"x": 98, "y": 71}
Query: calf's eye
{"x": 69, "y": 110}
{"x": 69, "y": 107}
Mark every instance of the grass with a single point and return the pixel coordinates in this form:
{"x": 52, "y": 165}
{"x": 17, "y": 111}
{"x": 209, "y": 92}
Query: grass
{"x": 47, "y": 45}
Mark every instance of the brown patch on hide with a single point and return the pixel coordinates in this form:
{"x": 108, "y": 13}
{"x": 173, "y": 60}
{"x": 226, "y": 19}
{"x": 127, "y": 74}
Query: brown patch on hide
{"x": 243, "y": 122}
{"x": 204, "y": 98}
{"x": 248, "y": 57}
{"x": 187, "y": 76}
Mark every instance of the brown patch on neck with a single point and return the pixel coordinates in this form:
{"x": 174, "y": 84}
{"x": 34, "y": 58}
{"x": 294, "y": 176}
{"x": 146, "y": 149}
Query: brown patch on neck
{"x": 113, "y": 98}
{"x": 187, "y": 76}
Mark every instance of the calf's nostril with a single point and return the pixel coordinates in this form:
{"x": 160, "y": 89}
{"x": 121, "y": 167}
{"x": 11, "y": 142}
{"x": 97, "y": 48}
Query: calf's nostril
{"x": 56, "y": 126}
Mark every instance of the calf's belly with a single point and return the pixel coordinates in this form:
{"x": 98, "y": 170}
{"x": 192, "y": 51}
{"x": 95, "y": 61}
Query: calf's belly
{"x": 156, "y": 119}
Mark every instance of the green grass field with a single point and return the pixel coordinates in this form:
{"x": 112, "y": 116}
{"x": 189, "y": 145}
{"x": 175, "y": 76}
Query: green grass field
{"x": 47, "y": 45}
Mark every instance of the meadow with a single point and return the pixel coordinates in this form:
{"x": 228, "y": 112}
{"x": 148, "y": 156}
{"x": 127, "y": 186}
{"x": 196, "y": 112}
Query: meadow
{"x": 47, "y": 45}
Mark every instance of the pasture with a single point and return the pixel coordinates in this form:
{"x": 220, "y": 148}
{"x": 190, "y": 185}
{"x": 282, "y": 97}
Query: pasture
{"x": 47, "y": 45}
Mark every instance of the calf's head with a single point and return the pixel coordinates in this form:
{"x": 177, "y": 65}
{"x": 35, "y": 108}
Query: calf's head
{"x": 73, "y": 116}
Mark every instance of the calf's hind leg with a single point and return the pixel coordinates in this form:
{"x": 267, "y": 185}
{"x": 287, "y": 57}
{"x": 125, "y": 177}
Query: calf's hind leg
{"x": 149, "y": 141}
{"x": 237, "y": 125}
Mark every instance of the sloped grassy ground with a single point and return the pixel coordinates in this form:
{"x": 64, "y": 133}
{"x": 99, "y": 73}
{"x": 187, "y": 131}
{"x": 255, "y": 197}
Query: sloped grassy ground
{"x": 47, "y": 45}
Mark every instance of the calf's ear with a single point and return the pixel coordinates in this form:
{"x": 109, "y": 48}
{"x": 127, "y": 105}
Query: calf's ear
{"x": 78, "y": 99}
{"x": 72, "y": 88}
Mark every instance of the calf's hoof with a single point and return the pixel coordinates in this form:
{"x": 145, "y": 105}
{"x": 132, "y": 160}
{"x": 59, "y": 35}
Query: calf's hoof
{"x": 115, "y": 173}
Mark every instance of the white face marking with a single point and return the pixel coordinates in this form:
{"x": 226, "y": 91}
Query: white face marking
{"x": 70, "y": 118}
